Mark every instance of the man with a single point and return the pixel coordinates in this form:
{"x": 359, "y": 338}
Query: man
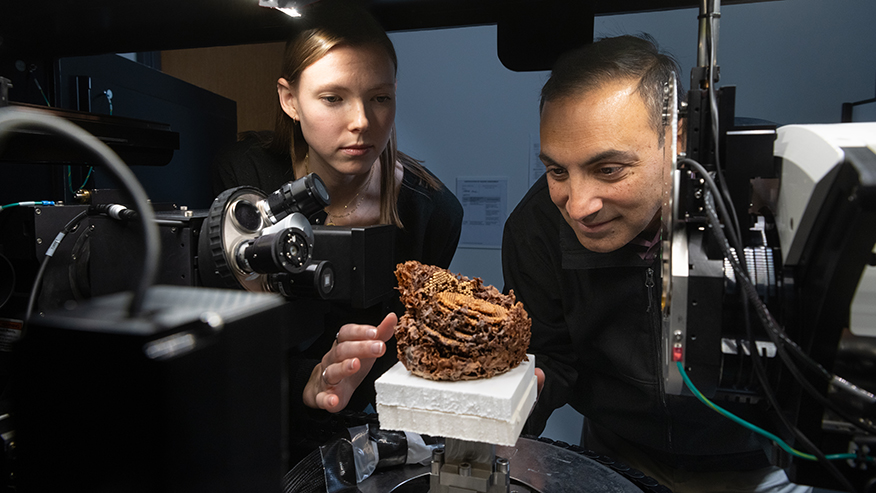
{"x": 580, "y": 251}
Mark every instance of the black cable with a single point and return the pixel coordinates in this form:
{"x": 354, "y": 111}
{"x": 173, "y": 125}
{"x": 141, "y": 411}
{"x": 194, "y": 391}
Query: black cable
{"x": 773, "y": 329}
{"x": 37, "y": 282}
{"x": 722, "y": 208}
{"x": 13, "y": 118}
{"x": 735, "y": 232}
{"x": 759, "y": 370}
{"x": 115, "y": 211}
{"x": 34, "y": 289}
{"x": 776, "y": 334}
{"x": 733, "y": 225}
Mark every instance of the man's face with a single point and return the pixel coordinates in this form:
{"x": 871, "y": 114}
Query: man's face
{"x": 605, "y": 165}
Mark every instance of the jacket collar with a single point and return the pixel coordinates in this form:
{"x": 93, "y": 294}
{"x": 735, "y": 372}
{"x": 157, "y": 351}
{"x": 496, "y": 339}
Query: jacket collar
{"x": 575, "y": 256}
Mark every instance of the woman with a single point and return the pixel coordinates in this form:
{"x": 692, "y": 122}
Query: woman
{"x": 336, "y": 119}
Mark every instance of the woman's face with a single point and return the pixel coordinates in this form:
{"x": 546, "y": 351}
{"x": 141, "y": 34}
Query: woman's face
{"x": 345, "y": 103}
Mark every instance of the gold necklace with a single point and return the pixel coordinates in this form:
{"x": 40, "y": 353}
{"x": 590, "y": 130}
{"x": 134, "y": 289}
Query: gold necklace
{"x": 347, "y": 210}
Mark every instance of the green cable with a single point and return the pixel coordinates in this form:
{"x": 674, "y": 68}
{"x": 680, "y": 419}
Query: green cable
{"x": 755, "y": 428}
{"x": 70, "y": 178}
{"x": 29, "y": 203}
{"x": 40, "y": 87}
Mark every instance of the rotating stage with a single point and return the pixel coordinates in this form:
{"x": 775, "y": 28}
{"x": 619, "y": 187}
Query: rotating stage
{"x": 536, "y": 466}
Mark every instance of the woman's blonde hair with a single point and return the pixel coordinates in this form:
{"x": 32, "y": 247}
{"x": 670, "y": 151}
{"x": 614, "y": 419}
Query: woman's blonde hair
{"x": 330, "y": 24}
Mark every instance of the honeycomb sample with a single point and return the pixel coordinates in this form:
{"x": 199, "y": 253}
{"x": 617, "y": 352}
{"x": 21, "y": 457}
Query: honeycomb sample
{"x": 455, "y": 328}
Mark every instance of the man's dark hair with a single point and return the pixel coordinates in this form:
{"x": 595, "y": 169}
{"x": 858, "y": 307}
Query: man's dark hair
{"x": 608, "y": 59}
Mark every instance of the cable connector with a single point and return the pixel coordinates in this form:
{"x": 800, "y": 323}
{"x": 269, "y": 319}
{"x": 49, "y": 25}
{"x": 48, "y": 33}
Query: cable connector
{"x": 115, "y": 211}
{"x": 29, "y": 203}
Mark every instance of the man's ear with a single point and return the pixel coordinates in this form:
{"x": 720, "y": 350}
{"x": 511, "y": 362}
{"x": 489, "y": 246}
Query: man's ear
{"x": 288, "y": 101}
{"x": 681, "y": 138}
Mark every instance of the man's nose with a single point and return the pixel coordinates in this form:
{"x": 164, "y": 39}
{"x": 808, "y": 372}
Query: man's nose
{"x": 583, "y": 202}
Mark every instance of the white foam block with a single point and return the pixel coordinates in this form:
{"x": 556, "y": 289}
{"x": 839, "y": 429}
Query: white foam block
{"x": 490, "y": 410}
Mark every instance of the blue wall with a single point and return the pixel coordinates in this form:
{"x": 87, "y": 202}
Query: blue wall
{"x": 460, "y": 110}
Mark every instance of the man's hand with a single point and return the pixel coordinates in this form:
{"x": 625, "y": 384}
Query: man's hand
{"x": 343, "y": 368}
{"x": 539, "y": 380}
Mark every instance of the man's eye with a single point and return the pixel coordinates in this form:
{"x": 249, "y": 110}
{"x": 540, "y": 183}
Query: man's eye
{"x": 383, "y": 99}
{"x": 557, "y": 172}
{"x": 610, "y": 170}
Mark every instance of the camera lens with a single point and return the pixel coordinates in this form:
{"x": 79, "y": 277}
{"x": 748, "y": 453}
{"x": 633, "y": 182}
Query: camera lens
{"x": 316, "y": 281}
{"x": 305, "y": 195}
{"x": 246, "y": 216}
{"x": 286, "y": 251}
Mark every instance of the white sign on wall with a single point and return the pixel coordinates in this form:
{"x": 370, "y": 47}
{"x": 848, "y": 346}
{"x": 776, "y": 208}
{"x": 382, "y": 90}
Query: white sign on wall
{"x": 485, "y": 204}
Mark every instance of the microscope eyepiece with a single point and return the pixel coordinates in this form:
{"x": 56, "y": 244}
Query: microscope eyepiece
{"x": 307, "y": 196}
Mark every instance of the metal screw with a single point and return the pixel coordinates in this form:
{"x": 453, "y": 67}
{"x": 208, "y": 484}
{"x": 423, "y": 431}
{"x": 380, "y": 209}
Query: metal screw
{"x": 502, "y": 465}
{"x": 437, "y": 461}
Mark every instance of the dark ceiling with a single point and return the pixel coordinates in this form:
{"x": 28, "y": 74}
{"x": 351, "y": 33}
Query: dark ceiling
{"x": 57, "y": 28}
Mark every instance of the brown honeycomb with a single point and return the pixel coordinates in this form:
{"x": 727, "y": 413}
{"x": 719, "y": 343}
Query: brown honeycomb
{"x": 455, "y": 328}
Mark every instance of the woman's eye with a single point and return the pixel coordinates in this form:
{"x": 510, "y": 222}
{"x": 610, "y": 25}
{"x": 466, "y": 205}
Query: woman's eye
{"x": 383, "y": 99}
{"x": 330, "y": 99}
